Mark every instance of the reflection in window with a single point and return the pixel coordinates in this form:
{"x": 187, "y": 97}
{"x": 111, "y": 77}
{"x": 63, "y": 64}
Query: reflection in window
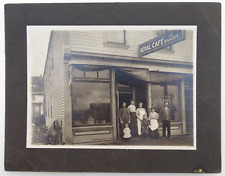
{"x": 77, "y": 73}
{"x": 101, "y": 74}
{"x": 173, "y": 99}
{"x": 157, "y": 97}
{"x": 174, "y": 102}
{"x": 104, "y": 74}
{"x": 91, "y": 103}
{"x": 91, "y": 74}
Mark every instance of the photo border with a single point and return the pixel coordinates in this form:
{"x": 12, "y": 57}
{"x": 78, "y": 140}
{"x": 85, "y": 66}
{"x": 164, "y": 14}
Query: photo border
{"x": 35, "y": 29}
{"x": 207, "y": 17}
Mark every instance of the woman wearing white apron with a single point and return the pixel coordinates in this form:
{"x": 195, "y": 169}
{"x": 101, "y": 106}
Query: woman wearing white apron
{"x": 140, "y": 112}
{"x": 154, "y": 125}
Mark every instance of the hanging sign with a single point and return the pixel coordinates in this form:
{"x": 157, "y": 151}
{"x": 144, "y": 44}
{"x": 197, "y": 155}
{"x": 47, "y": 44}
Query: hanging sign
{"x": 168, "y": 38}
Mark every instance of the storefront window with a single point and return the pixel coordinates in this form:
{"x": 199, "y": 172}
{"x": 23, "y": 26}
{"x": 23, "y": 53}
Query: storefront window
{"x": 157, "y": 97}
{"x": 91, "y": 74}
{"x": 78, "y": 73}
{"x": 91, "y": 103}
{"x": 101, "y": 74}
{"x": 172, "y": 98}
{"x": 174, "y": 101}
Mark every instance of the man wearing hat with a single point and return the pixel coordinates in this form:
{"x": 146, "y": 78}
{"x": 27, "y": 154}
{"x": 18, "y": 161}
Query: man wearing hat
{"x": 165, "y": 115}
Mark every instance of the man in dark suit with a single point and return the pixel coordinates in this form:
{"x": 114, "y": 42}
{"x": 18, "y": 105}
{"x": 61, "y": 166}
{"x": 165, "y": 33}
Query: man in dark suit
{"x": 166, "y": 117}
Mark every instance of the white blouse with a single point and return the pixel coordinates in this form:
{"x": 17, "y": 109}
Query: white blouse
{"x": 131, "y": 108}
{"x": 140, "y": 113}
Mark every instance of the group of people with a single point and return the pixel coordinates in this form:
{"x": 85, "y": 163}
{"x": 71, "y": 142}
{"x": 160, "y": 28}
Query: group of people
{"x": 136, "y": 122}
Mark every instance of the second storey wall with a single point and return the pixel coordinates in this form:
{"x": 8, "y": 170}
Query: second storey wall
{"x": 95, "y": 42}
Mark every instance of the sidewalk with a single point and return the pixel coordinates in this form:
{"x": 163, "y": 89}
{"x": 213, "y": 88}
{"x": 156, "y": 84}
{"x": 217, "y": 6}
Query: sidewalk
{"x": 181, "y": 140}
{"x": 39, "y": 137}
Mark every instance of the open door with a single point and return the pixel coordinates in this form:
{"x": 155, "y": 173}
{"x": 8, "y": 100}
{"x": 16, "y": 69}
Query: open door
{"x": 129, "y": 87}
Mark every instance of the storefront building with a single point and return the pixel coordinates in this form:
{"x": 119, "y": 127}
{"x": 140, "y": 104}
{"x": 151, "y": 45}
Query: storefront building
{"x": 88, "y": 74}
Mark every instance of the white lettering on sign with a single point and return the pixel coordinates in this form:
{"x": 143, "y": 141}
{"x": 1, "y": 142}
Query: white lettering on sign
{"x": 159, "y": 42}
{"x": 171, "y": 38}
{"x": 145, "y": 48}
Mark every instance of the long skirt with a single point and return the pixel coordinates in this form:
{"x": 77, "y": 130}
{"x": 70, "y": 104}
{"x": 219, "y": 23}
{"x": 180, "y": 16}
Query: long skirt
{"x": 154, "y": 133}
{"x": 133, "y": 124}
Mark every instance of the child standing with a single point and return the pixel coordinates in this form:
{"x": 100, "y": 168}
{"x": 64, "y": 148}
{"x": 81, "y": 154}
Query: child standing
{"x": 154, "y": 125}
{"x": 145, "y": 126}
{"x": 126, "y": 132}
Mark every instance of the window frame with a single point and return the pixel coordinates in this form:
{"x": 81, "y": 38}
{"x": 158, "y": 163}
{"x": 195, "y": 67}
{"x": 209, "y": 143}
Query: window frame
{"x": 96, "y": 80}
{"x": 178, "y": 108}
{"x": 77, "y": 80}
{"x": 108, "y": 43}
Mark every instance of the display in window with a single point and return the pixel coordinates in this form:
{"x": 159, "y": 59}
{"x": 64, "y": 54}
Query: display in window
{"x": 91, "y": 106}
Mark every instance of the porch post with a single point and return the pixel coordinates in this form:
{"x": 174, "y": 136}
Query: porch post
{"x": 67, "y": 106}
{"x": 183, "y": 116}
{"x": 134, "y": 93}
{"x": 113, "y": 102}
{"x": 165, "y": 90}
{"x": 149, "y": 93}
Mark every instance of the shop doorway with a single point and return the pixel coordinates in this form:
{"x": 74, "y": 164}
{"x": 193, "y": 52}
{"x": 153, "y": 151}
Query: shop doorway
{"x": 141, "y": 95}
{"x": 129, "y": 87}
{"x": 125, "y": 94}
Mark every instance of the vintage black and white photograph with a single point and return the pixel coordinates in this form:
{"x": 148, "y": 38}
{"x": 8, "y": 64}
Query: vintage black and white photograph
{"x": 111, "y": 87}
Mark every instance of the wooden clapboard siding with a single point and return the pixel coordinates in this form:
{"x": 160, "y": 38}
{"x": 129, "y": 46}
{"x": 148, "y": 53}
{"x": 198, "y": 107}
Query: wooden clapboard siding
{"x": 181, "y": 51}
{"x": 93, "y": 42}
{"x": 54, "y": 78}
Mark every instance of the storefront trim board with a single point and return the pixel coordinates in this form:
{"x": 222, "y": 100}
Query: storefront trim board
{"x": 152, "y": 66}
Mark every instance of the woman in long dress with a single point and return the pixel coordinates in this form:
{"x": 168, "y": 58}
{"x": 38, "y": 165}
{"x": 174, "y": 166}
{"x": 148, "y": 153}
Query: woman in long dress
{"x": 140, "y": 112}
{"x": 124, "y": 118}
{"x": 133, "y": 118}
{"x": 154, "y": 125}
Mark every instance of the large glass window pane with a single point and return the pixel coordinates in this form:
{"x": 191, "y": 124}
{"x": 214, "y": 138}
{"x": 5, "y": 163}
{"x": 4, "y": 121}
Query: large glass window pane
{"x": 91, "y": 103}
{"x": 174, "y": 102}
{"x": 77, "y": 73}
{"x": 91, "y": 74}
{"x": 157, "y": 97}
{"x": 103, "y": 74}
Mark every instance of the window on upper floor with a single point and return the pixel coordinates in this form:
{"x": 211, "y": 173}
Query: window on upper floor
{"x": 115, "y": 38}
